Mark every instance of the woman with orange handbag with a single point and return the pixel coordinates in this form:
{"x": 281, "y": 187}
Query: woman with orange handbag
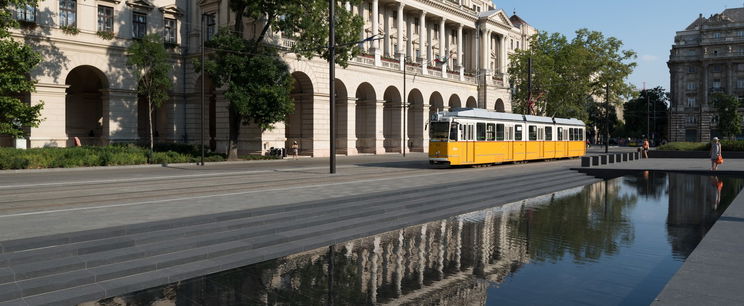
{"x": 715, "y": 154}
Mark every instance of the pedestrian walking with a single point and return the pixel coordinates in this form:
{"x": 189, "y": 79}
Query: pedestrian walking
{"x": 645, "y": 147}
{"x": 715, "y": 154}
{"x": 295, "y": 149}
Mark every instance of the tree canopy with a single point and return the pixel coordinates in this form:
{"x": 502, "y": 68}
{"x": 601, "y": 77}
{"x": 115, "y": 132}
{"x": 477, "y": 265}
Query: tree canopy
{"x": 257, "y": 80}
{"x": 648, "y": 108}
{"x": 152, "y": 68}
{"x": 729, "y": 120}
{"x": 565, "y": 73}
{"x": 16, "y": 62}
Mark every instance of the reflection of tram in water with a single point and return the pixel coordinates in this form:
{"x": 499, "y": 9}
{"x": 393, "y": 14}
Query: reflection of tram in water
{"x": 471, "y": 136}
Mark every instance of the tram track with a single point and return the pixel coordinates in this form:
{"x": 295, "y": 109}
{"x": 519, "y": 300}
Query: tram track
{"x": 73, "y": 197}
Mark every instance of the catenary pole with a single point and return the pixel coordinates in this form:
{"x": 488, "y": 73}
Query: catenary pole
{"x": 332, "y": 80}
{"x": 648, "y": 114}
{"x": 607, "y": 119}
{"x": 203, "y": 76}
{"x": 529, "y": 84}
{"x": 405, "y": 108}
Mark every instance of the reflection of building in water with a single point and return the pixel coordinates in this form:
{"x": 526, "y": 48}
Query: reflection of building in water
{"x": 445, "y": 262}
{"x": 692, "y": 199}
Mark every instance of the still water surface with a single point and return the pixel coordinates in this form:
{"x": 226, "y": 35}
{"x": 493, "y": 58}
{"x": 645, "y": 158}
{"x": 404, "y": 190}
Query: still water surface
{"x": 616, "y": 242}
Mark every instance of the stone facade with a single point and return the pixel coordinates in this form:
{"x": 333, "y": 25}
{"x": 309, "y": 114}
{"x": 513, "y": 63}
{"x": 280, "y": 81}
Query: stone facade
{"x": 458, "y": 52}
{"x": 707, "y": 57}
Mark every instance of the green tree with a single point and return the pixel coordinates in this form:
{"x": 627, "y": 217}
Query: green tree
{"x": 565, "y": 73}
{"x": 152, "y": 68}
{"x": 729, "y": 120}
{"x": 601, "y": 116}
{"x": 16, "y": 62}
{"x": 650, "y": 104}
{"x": 258, "y": 81}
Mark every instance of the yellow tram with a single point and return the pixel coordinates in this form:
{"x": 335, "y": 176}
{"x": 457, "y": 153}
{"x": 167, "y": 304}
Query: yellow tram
{"x": 471, "y": 136}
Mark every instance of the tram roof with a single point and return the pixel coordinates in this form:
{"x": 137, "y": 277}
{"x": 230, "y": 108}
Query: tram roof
{"x": 487, "y": 114}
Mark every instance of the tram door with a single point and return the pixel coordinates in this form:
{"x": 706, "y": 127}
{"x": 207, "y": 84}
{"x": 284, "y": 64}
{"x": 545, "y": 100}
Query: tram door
{"x": 469, "y": 140}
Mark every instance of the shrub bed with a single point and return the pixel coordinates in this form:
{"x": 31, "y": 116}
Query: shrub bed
{"x": 726, "y": 146}
{"x": 112, "y": 155}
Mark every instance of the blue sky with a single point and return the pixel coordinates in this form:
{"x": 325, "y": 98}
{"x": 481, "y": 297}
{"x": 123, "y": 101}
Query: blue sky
{"x": 646, "y": 27}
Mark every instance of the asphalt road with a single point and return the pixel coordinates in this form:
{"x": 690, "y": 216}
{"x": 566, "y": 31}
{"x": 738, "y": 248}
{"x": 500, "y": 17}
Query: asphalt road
{"x": 42, "y": 202}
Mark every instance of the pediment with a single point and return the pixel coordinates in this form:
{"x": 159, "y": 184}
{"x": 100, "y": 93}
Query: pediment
{"x": 142, "y": 5}
{"x": 171, "y": 10}
{"x": 498, "y": 16}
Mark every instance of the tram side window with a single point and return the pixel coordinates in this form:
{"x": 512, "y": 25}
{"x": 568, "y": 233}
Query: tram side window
{"x": 532, "y": 132}
{"x": 581, "y": 134}
{"x": 560, "y": 133}
{"x": 548, "y": 133}
{"x": 499, "y": 132}
{"x": 490, "y": 135}
{"x": 480, "y": 131}
{"x": 517, "y": 132}
{"x": 454, "y": 128}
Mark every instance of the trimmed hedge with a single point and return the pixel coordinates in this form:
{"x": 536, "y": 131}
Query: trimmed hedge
{"x": 726, "y": 146}
{"x": 113, "y": 155}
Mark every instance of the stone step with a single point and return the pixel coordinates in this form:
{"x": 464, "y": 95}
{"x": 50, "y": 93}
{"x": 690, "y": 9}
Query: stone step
{"x": 146, "y": 273}
{"x": 190, "y": 270}
{"x": 28, "y": 249}
{"x": 58, "y": 265}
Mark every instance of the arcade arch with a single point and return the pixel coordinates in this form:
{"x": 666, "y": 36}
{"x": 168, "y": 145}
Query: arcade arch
{"x": 299, "y": 124}
{"x": 86, "y": 106}
{"x": 366, "y": 120}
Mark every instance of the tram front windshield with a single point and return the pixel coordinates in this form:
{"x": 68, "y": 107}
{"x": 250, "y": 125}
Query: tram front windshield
{"x": 439, "y": 131}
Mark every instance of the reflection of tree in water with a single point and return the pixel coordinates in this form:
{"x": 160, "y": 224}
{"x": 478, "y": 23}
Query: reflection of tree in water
{"x": 586, "y": 225}
{"x": 649, "y": 184}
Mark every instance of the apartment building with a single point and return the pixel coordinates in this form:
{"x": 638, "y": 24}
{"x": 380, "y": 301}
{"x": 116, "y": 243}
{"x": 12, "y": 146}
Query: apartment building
{"x": 454, "y": 52}
{"x": 707, "y": 57}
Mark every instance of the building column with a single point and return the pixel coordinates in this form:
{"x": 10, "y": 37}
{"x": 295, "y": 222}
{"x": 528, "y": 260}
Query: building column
{"x": 399, "y": 50}
{"x": 504, "y": 62}
{"x": 346, "y": 116}
{"x": 52, "y": 131}
{"x": 119, "y": 116}
{"x": 379, "y": 123}
{"x": 363, "y": 34}
{"x": 460, "y": 53}
{"x": 375, "y": 30}
{"x": 409, "y": 41}
{"x": 443, "y": 47}
{"x": 422, "y": 42}
{"x": 429, "y": 45}
{"x": 386, "y": 39}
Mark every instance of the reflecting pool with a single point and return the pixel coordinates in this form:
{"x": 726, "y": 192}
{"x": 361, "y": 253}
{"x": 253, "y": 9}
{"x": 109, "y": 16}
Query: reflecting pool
{"x": 616, "y": 242}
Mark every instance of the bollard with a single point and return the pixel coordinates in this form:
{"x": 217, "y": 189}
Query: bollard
{"x": 603, "y": 159}
{"x": 595, "y": 160}
{"x": 611, "y": 159}
{"x": 586, "y": 161}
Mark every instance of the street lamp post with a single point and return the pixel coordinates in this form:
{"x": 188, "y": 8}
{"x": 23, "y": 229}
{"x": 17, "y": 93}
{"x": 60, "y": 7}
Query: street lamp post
{"x": 332, "y": 80}
{"x": 201, "y": 108}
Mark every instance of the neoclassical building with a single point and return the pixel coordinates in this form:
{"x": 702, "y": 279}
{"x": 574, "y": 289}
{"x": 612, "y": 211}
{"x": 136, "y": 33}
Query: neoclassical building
{"x": 457, "y": 49}
{"x": 707, "y": 57}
